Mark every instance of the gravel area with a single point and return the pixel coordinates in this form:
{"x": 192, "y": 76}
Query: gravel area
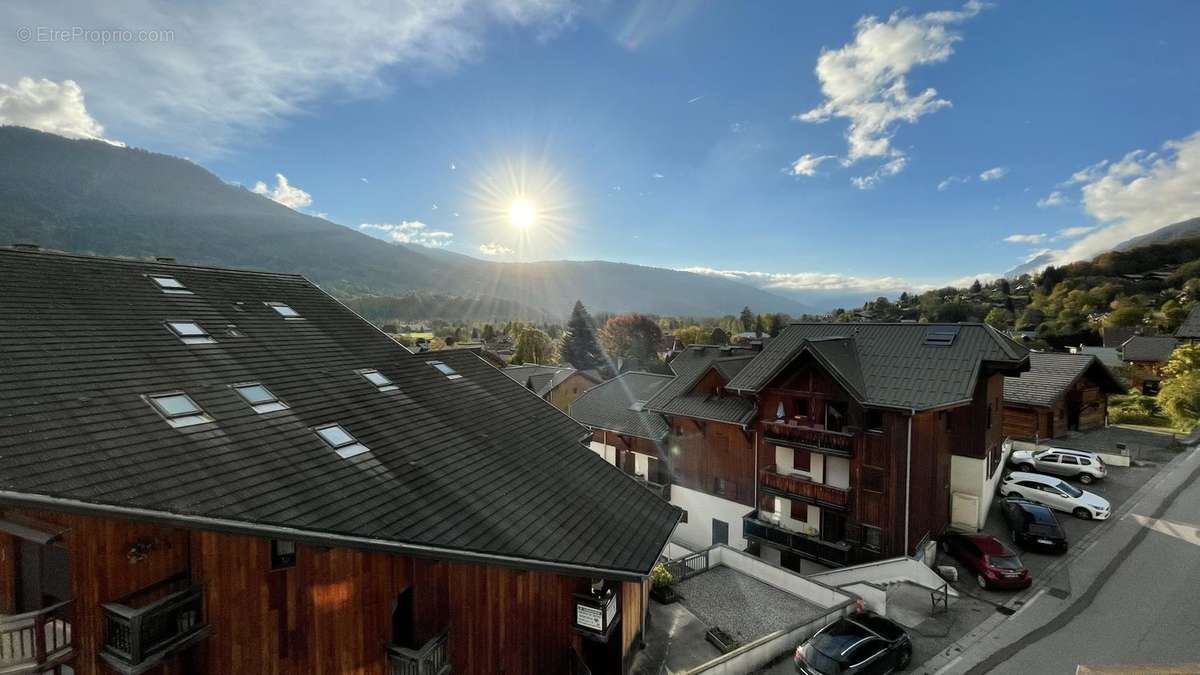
{"x": 743, "y": 606}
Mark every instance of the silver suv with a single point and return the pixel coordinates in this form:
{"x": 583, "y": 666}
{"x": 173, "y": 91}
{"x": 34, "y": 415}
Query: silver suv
{"x": 1086, "y": 466}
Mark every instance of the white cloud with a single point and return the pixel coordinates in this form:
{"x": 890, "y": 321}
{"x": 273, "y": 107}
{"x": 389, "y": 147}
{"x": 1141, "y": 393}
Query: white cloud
{"x": 865, "y": 81}
{"x": 802, "y": 280}
{"x": 233, "y": 69}
{"x": 807, "y": 165}
{"x": 284, "y": 192}
{"x": 1055, "y": 198}
{"x": 657, "y": 175}
{"x": 951, "y": 181}
{"x": 54, "y": 107}
{"x": 1135, "y": 195}
{"x": 364, "y": 180}
{"x": 995, "y": 173}
{"x": 966, "y": 281}
{"x": 494, "y": 249}
{"x": 1025, "y": 238}
{"x": 890, "y": 168}
{"x": 410, "y": 232}
{"x": 1072, "y": 232}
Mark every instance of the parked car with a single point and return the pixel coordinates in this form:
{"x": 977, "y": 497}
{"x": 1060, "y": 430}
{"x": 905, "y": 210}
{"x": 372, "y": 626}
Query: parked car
{"x": 1084, "y": 466}
{"x": 857, "y": 644}
{"x": 993, "y": 564}
{"x": 1055, "y": 493}
{"x": 1033, "y": 525}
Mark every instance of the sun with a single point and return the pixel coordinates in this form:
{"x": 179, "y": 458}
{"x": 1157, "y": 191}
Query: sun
{"x": 522, "y": 213}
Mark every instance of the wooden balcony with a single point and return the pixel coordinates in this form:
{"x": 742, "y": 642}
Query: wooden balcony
{"x": 431, "y": 659}
{"x": 35, "y": 641}
{"x": 793, "y": 434}
{"x": 145, "y": 627}
{"x": 766, "y": 532}
{"x": 796, "y": 487}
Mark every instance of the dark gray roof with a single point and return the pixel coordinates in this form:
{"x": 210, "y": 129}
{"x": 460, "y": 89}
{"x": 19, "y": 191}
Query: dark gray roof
{"x": 1109, "y": 356}
{"x": 448, "y": 474}
{"x": 1051, "y": 374}
{"x": 689, "y": 367}
{"x": 1190, "y": 328}
{"x": 609, "y": 406}
{"x": 540, "y": 379}
{"x": 1145, "y": 348}
{"x": 1115, "y": 336}
{"x": 888, "y": 364}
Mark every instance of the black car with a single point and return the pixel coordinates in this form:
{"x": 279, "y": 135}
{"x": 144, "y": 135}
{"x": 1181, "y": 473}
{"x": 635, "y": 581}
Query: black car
{"x": 1033, "y": 525}
{"x": 863, "y": 643}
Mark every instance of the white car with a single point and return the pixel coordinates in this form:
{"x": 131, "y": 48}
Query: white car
{"x": 1086, "y": 467}
{"x": 1055, "y": 493}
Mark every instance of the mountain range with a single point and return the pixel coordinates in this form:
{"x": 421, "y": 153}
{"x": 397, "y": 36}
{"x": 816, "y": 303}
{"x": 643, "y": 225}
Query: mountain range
{"x": 91, "y": 197}
{"x": 1174, "y": 232}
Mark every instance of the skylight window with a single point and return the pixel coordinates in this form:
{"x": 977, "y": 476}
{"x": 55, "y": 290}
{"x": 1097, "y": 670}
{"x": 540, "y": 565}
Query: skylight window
{"x": 378, "y": 379}
{"x": 169, "y": 285}
{"x": 341, "y": 441}
{"x": 260, "y": 398}
{"x": 178, "y": 409}
{"x": 190, "y": 332}
{"x": 450, "y": 373}
{"x": 941, "y": 335}
{"x": 284, "y": 310}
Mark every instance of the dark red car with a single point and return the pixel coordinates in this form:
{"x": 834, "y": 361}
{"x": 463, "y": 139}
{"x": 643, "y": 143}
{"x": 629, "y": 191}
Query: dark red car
{"x": 993, "y": 564}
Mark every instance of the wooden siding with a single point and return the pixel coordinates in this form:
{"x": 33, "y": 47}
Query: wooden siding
{"x": 706, "y": 451}
{"x": 332, "y": 611}
{"x": 1085, "y": 396}
{"x": 568, "y": 390}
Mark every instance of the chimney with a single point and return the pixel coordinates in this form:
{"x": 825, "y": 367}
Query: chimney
{"x": 26, "y": 246}
{"x": 756, "y": 345}
{"x": 163, "y": 259}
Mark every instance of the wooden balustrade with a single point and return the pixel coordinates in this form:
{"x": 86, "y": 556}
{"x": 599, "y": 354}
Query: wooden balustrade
{"x": 138, "y": 631}
{"x": 38, "y": 639}
{"x": 796, "y": 487}
{"x": 790, "y": 433}
{"x": 433, "y": 658}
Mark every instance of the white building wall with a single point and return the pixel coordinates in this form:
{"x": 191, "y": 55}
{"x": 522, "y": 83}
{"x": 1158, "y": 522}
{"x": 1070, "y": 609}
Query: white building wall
{"x": 968, "y": 478}
{"x": 837, "y": 472}
{"x": 811, "y": 524}
{"x": 702, "y": 508}
{"x": 785, "y": 463}
{"x": 608, "y": 452}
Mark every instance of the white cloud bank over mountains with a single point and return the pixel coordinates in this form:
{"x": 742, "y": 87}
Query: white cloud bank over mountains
{"x": 234, "y": 69}
{"x": 284, "y": 192}
{"x": 409, "y": 232}
{"x": 865, "y": 82}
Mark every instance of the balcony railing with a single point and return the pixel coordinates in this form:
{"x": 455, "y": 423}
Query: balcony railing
{"x": 758, "y": 529}
{"x": 795, "y": 487}
{"x": 431, "y": 659}
{"x": 35, "y": 640}
{"x": 661, "y": 489}
{"x": 144, "y": 627}
{"x": 828, "y": 442}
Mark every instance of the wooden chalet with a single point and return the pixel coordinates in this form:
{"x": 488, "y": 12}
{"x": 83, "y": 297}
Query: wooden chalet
{"x": 1145, "y": 357}
{"x": 1059, "y": 393}
{"x": 560, "y": 385}
{"x": 219, "y": 471}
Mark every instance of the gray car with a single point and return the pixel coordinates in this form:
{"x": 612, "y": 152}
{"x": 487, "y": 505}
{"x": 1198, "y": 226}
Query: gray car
{"x": 1084, "y": 466}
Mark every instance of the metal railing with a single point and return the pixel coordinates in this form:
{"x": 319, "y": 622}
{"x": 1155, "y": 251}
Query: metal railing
{"x": 36, "y": 638}
{"x": 795, "y": 486}
{"x": 688, "y": 566}
{"x": 433, "y": 658}
{"x": 757, "y": 529}
{"x": 136, "y": 629}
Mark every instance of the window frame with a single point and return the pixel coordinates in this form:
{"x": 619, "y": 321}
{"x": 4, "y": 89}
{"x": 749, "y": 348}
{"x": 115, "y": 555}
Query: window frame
{"x": 445, "y": 369}
{"x": 273, "y": 404}
{"x": 190, "y": 339}
{"x": 279, "y": 306}
{"x": 386, "y": 385}
{"x": 178, "y": 420}
{"x": 346, "y": 449}
{"x": 878, "y": 545}
{"x": 179, "y": 289}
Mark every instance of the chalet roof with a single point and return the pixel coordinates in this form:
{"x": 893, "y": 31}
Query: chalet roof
{"x": 1115, "y": 336}
{"x": 689, "y": 366}
{"x": 610, "y": 406}
{"x": 1190, "y": 328}
{"x": 1109, "y": 356}
{"x": 1051, "y": 374}
{"x": 1148, "y": 349}
{"x": 447, "y": 475}
{"x": 542, "y": 379}
{"x": 888, "y": 364}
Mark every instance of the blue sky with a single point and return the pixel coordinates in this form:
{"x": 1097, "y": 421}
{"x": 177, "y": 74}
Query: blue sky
{"x": 664, "y": 133}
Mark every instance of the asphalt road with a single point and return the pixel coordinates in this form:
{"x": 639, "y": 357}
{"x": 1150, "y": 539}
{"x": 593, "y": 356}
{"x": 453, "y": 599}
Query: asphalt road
{"x": 1147, "y": 611}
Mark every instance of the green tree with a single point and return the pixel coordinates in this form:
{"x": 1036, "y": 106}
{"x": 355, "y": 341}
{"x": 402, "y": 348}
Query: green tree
{"x": 633, "y": 336}
{"x": 976, "y": 287}
{"x": 1180, "y": 399}
{"x": 778, "y": 323}
{"x": 489, "y": 332}
{"x": 1049, "y": 279}
{"x": 690, "y": 335}
{"x": 580, "y": 348}
{"x": 1125, "y": 315}
{"x": 1184, "y": 360}
{"x": 998, "y": 318}
{"x": 533, "y": 346}
{"x": 747, "y": 319}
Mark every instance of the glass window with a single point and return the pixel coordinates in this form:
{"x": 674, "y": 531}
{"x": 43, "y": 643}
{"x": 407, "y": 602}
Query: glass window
{"x": 169, "y": 285}
{"x": 801, "y": 407}
{"x": 872, "y": 537}
{"x": 1071, "y": 490}
{"x": 1067, "y": 459}
{"x": 779, "y": 411}
{"x": 875, "y": 420}
{"x": 835, "y": 415}
{"x": 376, "y": 378}
{"x": 1052, "y": 459}
{"x": 335, "y": 435}
{"x": 444, "y": 369}
{"x": 260, "y": 398}
{"x": 175, "y": 405}
{"x": 190, "y": 332}
{"x": 284, "y": 310}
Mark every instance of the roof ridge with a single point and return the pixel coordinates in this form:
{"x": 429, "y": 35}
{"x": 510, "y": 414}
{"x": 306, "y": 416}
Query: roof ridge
{"x": 10, "y": 249}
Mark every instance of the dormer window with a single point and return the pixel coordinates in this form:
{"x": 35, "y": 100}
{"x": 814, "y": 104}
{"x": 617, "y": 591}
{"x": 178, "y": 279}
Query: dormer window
{"x": 190, "y": 332}
{"x": 178, "y": 409}
{"x": 378, "y": 379}
{"x": 450, "y": 373}
{"x": 284, "y": 310}
{"x": 260, "y": 398}
{"x": 341, "y": 441}
{"x": 169, "y": 285}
